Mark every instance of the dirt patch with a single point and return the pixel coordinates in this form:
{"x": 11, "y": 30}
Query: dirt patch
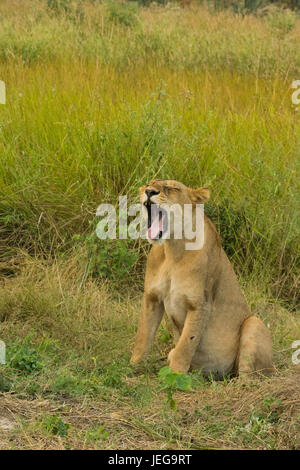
{"x": 7, "y": 423}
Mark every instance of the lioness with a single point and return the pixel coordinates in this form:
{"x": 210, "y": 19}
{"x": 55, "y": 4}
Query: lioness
{"x": 213, "y": 327}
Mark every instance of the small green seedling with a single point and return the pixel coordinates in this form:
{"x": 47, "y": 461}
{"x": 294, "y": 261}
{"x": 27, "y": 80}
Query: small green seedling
{"x": 165, "y": 336}
{"x": 96, "y": 433}
{"x": 172, "y": 381}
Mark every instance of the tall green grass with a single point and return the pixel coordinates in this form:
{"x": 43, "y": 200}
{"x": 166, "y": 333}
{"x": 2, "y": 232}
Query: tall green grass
{"x": 117, "y": 34}
{"x": 96, "y": 107}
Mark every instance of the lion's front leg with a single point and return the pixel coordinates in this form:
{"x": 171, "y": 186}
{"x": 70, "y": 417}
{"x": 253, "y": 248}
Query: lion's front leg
{"x": 181, "y": 356}
{"x": 152, "y": 312}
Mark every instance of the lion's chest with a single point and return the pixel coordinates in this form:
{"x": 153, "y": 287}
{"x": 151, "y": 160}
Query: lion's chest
{"x": 175, "y": 307}
{"x": 173, "y": 293}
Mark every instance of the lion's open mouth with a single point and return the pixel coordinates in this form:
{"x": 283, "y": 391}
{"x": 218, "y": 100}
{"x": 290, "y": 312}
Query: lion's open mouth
{"x": 157, "y": 220}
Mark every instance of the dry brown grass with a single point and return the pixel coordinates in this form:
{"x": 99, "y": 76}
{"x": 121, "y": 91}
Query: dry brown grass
{"x": 215, "y": 417}
{"x": 88, "y": 320}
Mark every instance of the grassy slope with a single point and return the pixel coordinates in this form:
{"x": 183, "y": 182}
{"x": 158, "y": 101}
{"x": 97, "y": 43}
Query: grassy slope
{"x": 58, "y": 338}
{"x": 204, "y": 99}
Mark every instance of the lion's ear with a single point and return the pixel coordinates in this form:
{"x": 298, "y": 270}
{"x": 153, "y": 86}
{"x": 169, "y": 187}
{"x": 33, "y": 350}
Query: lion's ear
{"x": 200, "y": 195}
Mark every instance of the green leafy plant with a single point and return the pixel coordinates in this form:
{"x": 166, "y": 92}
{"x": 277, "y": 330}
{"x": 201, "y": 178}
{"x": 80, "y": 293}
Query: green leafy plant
{"x": 96, "y": 433}
{"x": 54, "y": 425}
{"x": 258, "y": 424}
{"x": 172, "y": 381}
{"x": 112, "y": 374}
{"x": 25, "y": 359}
{"x": 165, "y": 336}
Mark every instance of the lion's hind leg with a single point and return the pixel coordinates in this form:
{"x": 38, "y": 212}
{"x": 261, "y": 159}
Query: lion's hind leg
{"x": 255, "y": 353}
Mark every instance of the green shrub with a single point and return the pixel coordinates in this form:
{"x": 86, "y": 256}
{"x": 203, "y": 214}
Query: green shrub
{"x": 111, "y": 259}
{"x": 121, "y": 12}
{"x": 72, "y": 11}
{"x": 281, "y": 22}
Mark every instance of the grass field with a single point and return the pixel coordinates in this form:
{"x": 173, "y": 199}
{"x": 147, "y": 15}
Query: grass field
{"x": 102, "y": 98}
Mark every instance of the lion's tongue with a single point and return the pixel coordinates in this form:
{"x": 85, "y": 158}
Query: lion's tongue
{"x": 156, "y": 227}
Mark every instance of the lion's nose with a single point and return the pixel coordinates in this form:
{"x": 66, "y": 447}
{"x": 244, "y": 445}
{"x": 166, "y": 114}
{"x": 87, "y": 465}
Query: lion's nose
{"x": 151, "y": 192}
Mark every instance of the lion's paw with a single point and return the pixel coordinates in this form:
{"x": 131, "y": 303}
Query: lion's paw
{"x": 176, "y": 363}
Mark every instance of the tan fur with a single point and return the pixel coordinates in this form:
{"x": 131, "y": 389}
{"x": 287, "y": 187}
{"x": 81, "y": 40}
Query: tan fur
{"x": 212, "y": 324}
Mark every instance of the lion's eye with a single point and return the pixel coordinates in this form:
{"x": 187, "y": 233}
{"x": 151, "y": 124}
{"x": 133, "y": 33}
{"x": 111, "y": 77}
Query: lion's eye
{"x": 171, "y": 188}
